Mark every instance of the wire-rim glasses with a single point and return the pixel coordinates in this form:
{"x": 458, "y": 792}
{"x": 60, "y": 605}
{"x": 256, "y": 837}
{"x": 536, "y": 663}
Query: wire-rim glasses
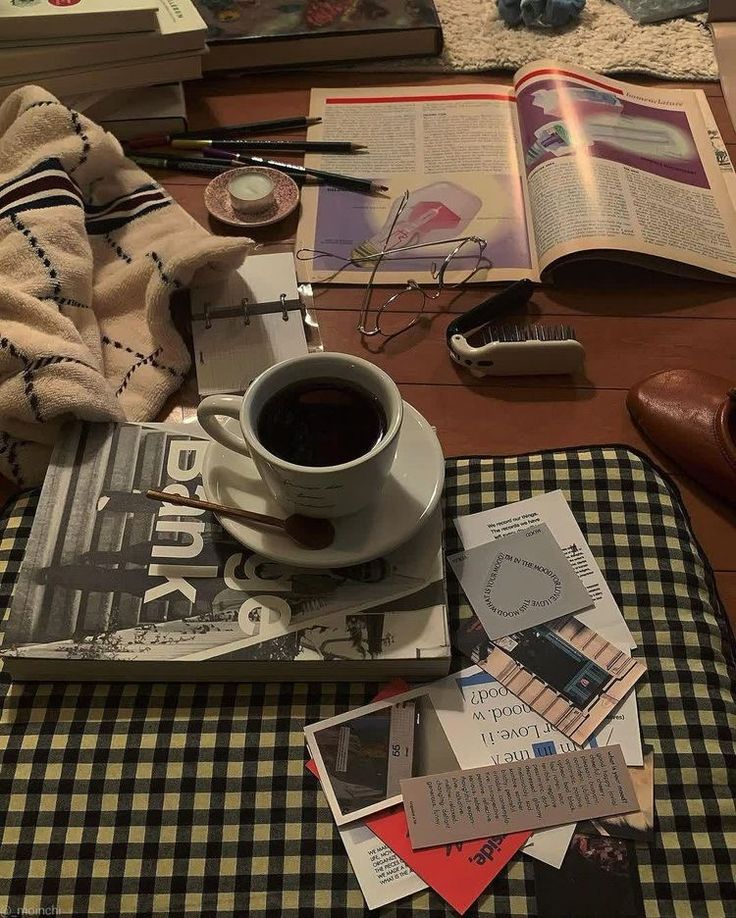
{"x": 466, "y": 249}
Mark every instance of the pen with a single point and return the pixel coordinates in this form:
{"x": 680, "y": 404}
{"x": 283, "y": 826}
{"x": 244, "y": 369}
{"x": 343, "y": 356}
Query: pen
{"x": 350, "y": 182}
{"x": 191, "y": 164}
{"x": 222, "y": 161}
{"x": 285, "y": 146}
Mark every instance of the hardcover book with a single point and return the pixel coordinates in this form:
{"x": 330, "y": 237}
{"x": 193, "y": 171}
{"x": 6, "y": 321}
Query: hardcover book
{"x": 270, "y": 34}
{"x": 142, "y": 72}
{"x": 160, "y": 110}
{"x": 35, "y": 19}
{"x": 178, "y": 29}
{"x": 115, "y": 586}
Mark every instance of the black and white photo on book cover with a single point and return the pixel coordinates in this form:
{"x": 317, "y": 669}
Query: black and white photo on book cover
{"x": 110, "y": 574}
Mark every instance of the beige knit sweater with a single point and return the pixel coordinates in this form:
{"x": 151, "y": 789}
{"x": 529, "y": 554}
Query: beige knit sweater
{"x": 91, "y": 249}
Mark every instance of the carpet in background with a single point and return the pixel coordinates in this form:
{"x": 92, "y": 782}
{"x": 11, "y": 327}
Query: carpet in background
{"x": 605, "y": 39}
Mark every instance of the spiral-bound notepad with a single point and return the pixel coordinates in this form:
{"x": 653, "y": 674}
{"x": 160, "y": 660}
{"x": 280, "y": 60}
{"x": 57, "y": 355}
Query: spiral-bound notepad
{"x": 247, "y": 323}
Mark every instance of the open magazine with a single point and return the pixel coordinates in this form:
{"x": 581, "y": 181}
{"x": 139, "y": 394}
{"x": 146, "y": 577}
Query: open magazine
{"x": 564, "y": 163}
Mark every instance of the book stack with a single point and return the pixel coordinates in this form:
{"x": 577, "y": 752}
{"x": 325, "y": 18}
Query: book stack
{"x": 100, "y": 45}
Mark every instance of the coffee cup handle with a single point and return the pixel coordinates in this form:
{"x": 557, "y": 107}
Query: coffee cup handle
{"x": 211, "y": 409}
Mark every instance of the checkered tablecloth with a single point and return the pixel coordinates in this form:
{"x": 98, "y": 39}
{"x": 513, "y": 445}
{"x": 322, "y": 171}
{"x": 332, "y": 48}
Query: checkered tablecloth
{"x": 154, "y": 799}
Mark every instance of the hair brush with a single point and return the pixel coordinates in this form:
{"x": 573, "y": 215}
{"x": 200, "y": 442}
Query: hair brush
{"x": 488, "y": 349}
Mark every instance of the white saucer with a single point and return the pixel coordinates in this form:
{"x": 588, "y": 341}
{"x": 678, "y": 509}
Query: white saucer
{"x": 407, "y": 500}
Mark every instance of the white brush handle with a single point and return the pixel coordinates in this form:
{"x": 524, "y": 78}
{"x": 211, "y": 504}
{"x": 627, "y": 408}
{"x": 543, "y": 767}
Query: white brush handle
{"x": 518, "y": 358}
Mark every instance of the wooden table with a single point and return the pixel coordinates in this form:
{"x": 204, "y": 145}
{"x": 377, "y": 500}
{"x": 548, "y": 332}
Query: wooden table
{"x": 632, "y": 324}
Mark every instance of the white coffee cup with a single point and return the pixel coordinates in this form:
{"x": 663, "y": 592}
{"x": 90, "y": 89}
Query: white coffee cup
{"x": 320, "y": 491}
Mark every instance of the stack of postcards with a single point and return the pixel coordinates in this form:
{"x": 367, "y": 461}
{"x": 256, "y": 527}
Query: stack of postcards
{"x": 535, "y": 750}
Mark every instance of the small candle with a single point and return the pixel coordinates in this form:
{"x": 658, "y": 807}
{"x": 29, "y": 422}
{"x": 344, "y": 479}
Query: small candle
{"x": 250, "y": 192}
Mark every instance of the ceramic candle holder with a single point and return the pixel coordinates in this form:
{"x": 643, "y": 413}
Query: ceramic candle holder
{"x": 250, "y": 192}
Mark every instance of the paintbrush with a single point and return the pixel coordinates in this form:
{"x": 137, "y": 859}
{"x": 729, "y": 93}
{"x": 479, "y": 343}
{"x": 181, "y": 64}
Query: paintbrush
{"x": 284, "y": 146}
{"x": 256, "y": 127}
{"x": 349, "y": 182}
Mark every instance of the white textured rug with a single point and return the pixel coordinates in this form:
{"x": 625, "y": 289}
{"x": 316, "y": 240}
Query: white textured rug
{"x": 605, "y": 39}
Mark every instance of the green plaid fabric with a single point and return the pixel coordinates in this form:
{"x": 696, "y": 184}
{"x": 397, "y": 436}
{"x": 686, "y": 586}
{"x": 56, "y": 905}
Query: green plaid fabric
{"x": 154, "y": 799}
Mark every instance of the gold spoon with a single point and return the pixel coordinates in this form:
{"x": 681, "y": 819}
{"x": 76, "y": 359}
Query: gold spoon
{"x": 306, "y": 531}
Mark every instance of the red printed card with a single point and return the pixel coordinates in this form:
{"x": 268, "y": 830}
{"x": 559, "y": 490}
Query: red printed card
{"x": 458, "y": 872}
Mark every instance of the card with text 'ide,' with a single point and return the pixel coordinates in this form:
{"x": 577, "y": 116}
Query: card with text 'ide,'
{"x": 459, "y": 872}
{"x": 518, "y": 581}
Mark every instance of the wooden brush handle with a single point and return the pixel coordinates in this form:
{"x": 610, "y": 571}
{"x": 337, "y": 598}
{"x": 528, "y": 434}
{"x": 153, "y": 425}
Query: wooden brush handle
{"x": 216, "y": 508}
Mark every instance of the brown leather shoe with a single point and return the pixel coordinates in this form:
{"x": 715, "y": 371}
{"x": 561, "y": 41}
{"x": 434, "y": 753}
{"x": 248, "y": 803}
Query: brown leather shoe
{"x": 691, "y": 416}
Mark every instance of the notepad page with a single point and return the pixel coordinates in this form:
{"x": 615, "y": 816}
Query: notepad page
{"x": 229, "y": 356}
{"x": 268, "y": 276}
{"x": 231, "y": 350}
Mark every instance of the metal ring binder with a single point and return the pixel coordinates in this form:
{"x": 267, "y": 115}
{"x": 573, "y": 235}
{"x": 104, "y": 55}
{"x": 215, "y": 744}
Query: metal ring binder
{"x": 245, "y": 309}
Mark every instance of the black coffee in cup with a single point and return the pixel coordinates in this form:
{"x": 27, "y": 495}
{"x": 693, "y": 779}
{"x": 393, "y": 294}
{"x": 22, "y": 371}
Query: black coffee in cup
{"x": 321, "y": 422}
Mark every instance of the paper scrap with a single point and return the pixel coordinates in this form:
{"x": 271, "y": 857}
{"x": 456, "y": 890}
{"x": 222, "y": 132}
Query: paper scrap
{"x": 639, "y": 826}
{"x": 549, "y": 846}
{"x": 383, "y": 876}
{"x": 518, "y": 581}
{"x": 551, "y": 508}
{"x": 533, "y": 794}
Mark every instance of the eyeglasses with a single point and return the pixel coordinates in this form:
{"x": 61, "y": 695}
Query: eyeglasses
{"x": 466, "y": 257}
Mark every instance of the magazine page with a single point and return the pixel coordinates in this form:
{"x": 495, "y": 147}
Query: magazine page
{"x": 454, "y": 149}
{"x": 110, "y": 574}
{"x": 616, "y": 167}
{"x": 723, "y": 160}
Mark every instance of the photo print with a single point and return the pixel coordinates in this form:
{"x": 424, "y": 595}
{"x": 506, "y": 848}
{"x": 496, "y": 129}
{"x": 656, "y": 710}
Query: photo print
{"x": 363, "y": 756}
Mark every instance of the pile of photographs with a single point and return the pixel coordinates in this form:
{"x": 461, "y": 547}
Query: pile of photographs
{"x": 533, "y": 750}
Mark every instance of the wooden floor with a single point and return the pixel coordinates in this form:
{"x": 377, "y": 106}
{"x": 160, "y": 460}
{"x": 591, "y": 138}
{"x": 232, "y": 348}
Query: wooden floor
{"x": 632, "y": 324}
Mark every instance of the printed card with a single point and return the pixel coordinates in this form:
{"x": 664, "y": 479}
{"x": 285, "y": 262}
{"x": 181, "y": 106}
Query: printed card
{"x": 518, "y": 581}
{"x": 458, "y": 872}
{"x": 552, "y": 509}
{"x": 533, "y": 794}
{"x": 570, "y": 675}
{"x": 362, "y": 756}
